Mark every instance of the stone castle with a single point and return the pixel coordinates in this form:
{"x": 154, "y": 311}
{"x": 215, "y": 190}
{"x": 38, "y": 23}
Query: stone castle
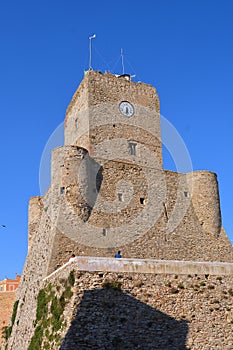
{"x": 108, "y": 187}
{"x": 109, "y": 192}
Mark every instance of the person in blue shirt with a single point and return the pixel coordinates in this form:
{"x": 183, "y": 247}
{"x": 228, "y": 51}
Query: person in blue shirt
{"x": 118, "y": 255}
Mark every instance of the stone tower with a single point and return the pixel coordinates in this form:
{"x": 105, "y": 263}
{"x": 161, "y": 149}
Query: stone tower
{"x": 108, "y": 107}
{"x": 109, "y": 190}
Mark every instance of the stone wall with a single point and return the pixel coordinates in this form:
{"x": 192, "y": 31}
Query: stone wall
{"x": 150, "y": 312}
{"x": 137, "y": 310}
{"x": 35, "y": 269}
{"x": 179, "y": 217}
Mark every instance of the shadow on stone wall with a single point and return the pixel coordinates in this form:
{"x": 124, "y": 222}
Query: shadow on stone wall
{"x": 110, "y": 319}
{"x": 95, "y": 178}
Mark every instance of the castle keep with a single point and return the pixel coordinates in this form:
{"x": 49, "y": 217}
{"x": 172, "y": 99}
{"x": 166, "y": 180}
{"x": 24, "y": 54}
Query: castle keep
{"x": 109, "y": 191}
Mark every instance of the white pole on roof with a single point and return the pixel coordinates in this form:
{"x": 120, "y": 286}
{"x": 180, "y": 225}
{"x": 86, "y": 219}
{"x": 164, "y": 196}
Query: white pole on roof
{"x": 122, "y": 62}
{"x": 90, "y": 51}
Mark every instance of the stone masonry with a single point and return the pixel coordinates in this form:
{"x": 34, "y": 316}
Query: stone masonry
{"x": 140, "y": 311}
{"x": 160, "y": 214}
{"x": 148, "y": 311}
{"x": 109, "y": 191}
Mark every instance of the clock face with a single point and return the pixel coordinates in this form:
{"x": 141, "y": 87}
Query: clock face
{"x": 126, "y": 109}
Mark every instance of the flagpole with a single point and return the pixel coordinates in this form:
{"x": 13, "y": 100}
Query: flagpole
{"x": 90, "y": 51}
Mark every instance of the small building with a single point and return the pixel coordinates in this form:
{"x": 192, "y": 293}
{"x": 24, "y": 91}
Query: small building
{"x": 8, "y": 285}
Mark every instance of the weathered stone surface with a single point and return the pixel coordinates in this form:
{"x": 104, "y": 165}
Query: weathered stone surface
{"x": 147, "y": 311}
{"x": 102, "y": 198}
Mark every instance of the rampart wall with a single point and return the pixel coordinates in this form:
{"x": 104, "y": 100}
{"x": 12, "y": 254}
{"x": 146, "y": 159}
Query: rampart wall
{"x": 129, "y": 309}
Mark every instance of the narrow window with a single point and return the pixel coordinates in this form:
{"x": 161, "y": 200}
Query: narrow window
{"x": 120, "y": 197}
{"x": 132, "y": 148}
{"x": 186, "y": 194}
{"x": 165, "y": 210}
{"x": 76, "y": 123}
{"x": 62, "y": 190}
{"x": 104, "y": 232}
{"x": 142, "y": 201}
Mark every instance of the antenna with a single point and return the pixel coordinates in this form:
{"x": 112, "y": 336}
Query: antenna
{"x": 90, "y": 51}
{"x": 122, "y": 62}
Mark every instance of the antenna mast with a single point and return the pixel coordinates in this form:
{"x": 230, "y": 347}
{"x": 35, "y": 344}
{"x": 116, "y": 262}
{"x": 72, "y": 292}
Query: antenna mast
{"x": 122, "y": 62}
{"x": 90, "y": 51}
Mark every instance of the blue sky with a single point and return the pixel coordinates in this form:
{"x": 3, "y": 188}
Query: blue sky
{"x": 183, "y": 48}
